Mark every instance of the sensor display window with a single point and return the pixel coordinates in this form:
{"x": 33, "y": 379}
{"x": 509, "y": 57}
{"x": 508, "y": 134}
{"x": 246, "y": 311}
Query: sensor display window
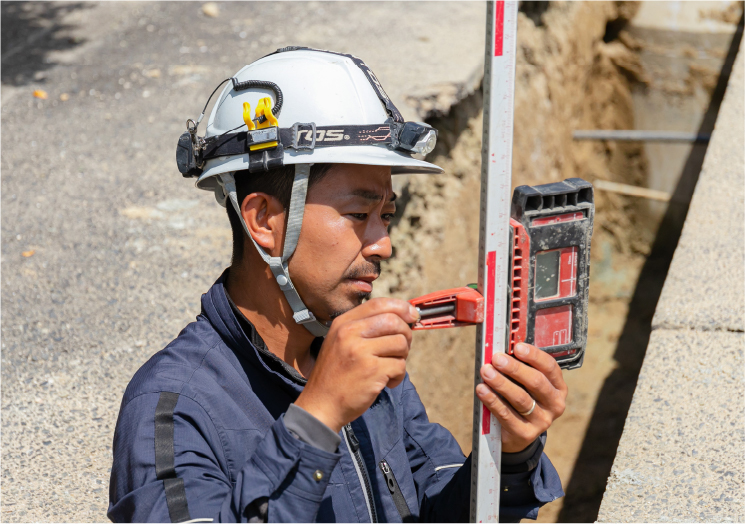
{"x": 556, "y": 273}
{"x": 547, "y": 274}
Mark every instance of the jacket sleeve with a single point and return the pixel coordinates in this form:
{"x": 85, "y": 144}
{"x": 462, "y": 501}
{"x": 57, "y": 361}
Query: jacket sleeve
{"x": 169, "y": 466}
{"x": 442, "y": 474}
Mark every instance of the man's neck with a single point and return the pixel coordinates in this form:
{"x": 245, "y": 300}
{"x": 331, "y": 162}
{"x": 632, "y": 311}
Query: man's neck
{"x": 258, "y": 297}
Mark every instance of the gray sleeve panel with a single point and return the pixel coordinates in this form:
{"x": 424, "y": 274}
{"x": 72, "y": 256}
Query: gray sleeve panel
{"x": 522, "y": 456}
{"x": 310, "y": 430}
{"x": 525, "y": 460}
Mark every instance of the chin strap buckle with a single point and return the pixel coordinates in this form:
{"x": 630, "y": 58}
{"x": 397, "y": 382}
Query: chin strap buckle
{"x": 303, "y": 317}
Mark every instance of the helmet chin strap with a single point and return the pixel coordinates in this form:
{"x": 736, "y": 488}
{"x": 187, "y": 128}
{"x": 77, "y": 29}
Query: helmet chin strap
{"x": 279, "y": 265}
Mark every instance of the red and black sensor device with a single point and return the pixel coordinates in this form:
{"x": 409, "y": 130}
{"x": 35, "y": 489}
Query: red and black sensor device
{"x": 551, "y": 228}
{"x": 548, "y": 283}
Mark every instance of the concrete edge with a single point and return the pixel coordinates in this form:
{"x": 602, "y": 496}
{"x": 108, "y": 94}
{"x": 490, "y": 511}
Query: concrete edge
{"x": 682, "y": 452}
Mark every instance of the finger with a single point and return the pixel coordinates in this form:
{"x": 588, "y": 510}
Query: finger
{"x": 543, "y": 362}
{"x": 382, "y": 325}
{"x": 505, "y": 413}
{"x": 390, "y": 346}
{"x": 536, "y": 383}
{"x": 394, "y": 369}
{"x": 517, "y": 397}
{"x": 378, "y": 306}
{"x": 512, "y": 423}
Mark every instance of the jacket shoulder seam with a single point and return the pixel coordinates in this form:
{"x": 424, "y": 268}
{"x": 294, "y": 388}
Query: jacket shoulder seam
{"x": 183, "y": 382}
{"x": 212, "y": 420}
{"x": 215, "y": 426}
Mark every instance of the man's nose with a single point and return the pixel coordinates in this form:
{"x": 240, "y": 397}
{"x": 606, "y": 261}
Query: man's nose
{"x": 380, "y": 247}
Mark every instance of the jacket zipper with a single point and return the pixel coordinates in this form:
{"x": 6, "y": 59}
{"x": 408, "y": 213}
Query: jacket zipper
{"x": 354, "y": 446}
{"x": 398, "y": 497}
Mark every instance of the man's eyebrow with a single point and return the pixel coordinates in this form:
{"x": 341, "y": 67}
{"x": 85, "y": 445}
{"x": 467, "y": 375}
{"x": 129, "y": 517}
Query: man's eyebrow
{"x": 372, "y": 195}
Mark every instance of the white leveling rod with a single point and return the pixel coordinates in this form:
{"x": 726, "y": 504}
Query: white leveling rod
{"x": 494, "y": 243}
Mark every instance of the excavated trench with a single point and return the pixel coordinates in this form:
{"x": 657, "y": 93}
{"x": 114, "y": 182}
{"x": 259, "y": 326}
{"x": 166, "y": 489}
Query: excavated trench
{"x": 566, "y": 79}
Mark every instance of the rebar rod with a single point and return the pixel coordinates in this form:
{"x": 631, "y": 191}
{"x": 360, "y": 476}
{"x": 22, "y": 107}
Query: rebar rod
{"x": 626, "y": 189}
{"x": 636, "y": 135}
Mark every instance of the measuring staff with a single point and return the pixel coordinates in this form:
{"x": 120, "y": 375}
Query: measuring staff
{"x": 288, "y": 399}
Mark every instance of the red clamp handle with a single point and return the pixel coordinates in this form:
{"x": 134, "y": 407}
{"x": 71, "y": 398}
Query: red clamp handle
{"x": 461, "y": 306}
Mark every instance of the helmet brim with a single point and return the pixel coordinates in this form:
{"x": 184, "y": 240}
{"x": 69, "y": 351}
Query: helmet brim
{"x": 399, "y": 162}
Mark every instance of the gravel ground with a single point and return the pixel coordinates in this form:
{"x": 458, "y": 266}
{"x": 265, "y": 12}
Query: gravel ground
{"x": 105, "y": 248}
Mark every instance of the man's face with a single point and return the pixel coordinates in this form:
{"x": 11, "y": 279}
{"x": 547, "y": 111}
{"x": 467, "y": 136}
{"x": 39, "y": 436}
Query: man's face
{"x": 344, "y": 238}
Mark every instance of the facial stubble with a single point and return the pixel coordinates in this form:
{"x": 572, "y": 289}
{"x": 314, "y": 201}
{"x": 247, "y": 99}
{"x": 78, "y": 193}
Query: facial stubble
{"x": 365, "y": 269}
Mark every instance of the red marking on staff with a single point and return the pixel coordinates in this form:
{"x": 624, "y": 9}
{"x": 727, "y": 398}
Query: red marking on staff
{"x": 498, "y": 27}
{"x": 491, "y": 271}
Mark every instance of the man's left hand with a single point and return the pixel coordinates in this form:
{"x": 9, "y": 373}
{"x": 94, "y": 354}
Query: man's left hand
{"x": 542, "y": 381}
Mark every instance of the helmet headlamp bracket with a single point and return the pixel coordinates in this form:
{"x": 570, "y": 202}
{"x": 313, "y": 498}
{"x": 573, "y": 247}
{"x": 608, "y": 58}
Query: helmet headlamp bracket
{"x": 296, "y": 135}
{"x": 188, "y": 151}
{"x": 415, "y": 137}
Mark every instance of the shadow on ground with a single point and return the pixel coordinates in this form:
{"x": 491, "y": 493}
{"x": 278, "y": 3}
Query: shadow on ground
{"x": 587, "y": 485}
{"x": 29, "y": 32}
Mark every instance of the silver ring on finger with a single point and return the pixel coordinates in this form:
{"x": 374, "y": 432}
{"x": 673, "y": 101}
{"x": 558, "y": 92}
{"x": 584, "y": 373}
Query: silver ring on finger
{"x": 525, "y": 414}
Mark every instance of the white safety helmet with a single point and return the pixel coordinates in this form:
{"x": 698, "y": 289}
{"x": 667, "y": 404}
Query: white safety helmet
{"x": 328, "y": 108}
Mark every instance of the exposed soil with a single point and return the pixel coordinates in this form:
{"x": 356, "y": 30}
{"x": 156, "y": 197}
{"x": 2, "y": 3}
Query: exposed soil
{"x": 730, "y": 15}
{"x": 566, "y": 79}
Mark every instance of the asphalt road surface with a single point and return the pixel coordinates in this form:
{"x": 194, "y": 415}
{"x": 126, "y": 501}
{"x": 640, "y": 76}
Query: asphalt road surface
{"x": 106, "y": 249}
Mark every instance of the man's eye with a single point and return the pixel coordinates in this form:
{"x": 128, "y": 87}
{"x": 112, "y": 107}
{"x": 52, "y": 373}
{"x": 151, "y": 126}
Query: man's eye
{"x": 358, "y": 216}
{"x": 388, "y": 216}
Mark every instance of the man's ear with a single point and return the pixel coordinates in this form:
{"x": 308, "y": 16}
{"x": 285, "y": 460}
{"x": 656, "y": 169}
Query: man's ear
{"x": 265, "y": 219}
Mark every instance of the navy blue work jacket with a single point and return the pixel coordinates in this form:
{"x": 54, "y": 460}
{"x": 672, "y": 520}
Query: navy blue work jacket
{"x": 200, "y": 435}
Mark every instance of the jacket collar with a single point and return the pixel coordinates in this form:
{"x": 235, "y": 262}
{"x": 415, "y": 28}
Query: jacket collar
{"x": 216, "y": 308}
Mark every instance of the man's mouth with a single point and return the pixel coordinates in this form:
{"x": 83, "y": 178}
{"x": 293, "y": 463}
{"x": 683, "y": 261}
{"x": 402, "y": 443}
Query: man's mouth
{"x": 363, "y": 283}
{"x": 362, "y": 275}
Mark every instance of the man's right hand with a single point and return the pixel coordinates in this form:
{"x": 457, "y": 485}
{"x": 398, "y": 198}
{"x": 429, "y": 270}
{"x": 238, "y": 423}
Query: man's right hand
{"x": 364, "y": 351}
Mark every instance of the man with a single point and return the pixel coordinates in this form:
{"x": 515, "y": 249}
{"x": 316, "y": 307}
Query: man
{"x": 288, "y": 398}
